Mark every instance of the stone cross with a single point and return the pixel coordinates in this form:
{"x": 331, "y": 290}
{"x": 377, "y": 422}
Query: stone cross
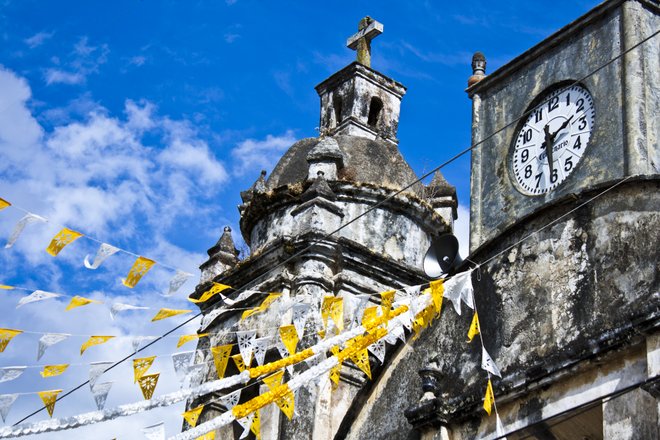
{"x": 368, "y": 29}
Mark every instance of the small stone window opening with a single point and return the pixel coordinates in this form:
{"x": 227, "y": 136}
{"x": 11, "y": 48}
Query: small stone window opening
{"x": 336, "y": 104}
{"x": 375, "y": 108}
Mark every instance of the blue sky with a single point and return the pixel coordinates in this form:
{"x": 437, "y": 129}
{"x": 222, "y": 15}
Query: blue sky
{"x": 139, "y": 122}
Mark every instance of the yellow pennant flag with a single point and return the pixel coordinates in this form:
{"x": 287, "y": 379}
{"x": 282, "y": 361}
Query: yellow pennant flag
{"x": 53, "y": 370}
{"x": 6, "y": 335}
{"x": 141, "y": 366}
{"x": 256, "y": 426}
{"x": 184, "y": 339}
{"x": 192, "y": 416}
{"x": 387, "y": 298}
{"x": 168, "y": 313}
{"x": 285, "y": 403}
{"x": 217, "y": 288}
{"x": 336, "y": 370}
{"x": 148, "y": 385}
{"x": 337, "y": 313}
{"x": 238, "y": 360}
{"x": 78, "y": 301}
{"x": 370, "y": 314}
{"x": 220, "y": 358}
{"x": 263, "y": 306}
{"x": 274, "y": 379}
{"x": 4, "y": 287}
{"x": 489, "y": 398}
{"x": 61, "y": 239}
{"x": 49, "y": 398}
{"x": 437, "y": 292}
{"x": 139, "y": 269}
{"x": 289, "y": 337}
{"x": 361, "y": 359}
{"x": 474, "y": 328}
{"x": 207, "y": 436}
{"x": 326, "y": 307}
{"x": 3, "y": 204}
{"x": 94, "y": 340}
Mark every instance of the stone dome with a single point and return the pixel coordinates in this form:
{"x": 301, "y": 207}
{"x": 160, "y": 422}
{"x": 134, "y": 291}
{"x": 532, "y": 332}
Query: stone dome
{"x": 365, "y": 161}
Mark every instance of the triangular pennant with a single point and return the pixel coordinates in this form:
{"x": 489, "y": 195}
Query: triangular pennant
{"x": 300, "y": 312}
{"x": 231, "y": 400}
{"x": 181, "y": 363}
{"x": 246, "y": 344}
{"x": 119, "y": 307}
{"x": 53, "y": 370}
{"x": 141, "y": 366}
{"x": 94, "y": 340}
{"x": 238, "y": 360}
{"x": 207, "y": 436}
{"x": 260, "y": 346}
{"x": 48, "y": 340}
{"x": 22, "y": 223}
{"x": 326, "y": 306}
{"x": 148, "y": 385}
{"x": 6, "y": 335}
{"x": 378, "y": 350}
{"x": 214, "y": 290}
{"x": 6, "y": 401}
{"x": 183, "y": 339}
{"x": 100, "y": 392}
{"x": 361, "y": 360}
{"x": 437, "y": 292}
{"x": 4, "y": 204}
{"x": 335, "y": 374}
{"x": 79, "y": 301}
{"x": 488, "y": 364}
{"x": 194, "y": 375}
{"x": 271, "y": 298}
{"x": 246, "y": 424}
{"x": 154, "y": 432}
{"x": 315, "y": 360}
{"x": 105, "y": 251}
{"x": 138, "y": 270}
{"x": 220, "y": 358}
{"x": 96, "y": 369}
{"x": 369, "y": 315}
{"x": 168, "y": 313}
{"x": 289, "y": 338}
{"x": 459, "y": 288}
{"x": 412, "y": 290}
{"x": 499, "y": 427}
{"x": 6, "y": 287}
{"x": 10, "y": 373}
{"x": 178, "y": 280}
{"x": 274, "y": 379}
{"x": 406, "y": 319}
{"x": 386, "y": 300}
{"x": 192, "y": 415}
{"x": 362, "y": 301}
{"x": 256, "y": 426}
{"x": 49, "y": 398}
{"x": 61, "y": 239}
{"x": 136, "y": 341}
{"x": 287, "y": 404}
{"x": 489, "y": 398}
{"x": 337, "y": 313}
{"x": 474, "y": 328}
{"x": 37, "y": 295}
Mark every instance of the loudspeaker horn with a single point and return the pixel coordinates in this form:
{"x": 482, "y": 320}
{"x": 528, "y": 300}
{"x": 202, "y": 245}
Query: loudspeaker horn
{"x": 442, "y": 256}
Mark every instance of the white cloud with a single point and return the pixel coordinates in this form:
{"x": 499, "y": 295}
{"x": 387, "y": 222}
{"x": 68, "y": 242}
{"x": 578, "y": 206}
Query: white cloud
{"x": 253, "y": 155}
{"x": 138, "y": 60}
{"x": 230, "y": 38}
{"x": 38, "y": 39}
{"x": 83, "y": 61}
{"x": 57, "y": 76}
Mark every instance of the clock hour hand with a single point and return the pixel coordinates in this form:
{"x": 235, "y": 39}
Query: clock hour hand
{"x": 564, "y": 125}
{"x": 549, "y": 144}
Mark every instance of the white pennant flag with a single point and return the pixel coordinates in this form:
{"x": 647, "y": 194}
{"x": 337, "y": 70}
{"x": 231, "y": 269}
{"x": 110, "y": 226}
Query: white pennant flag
{"x": 119, "y": 307}
{"x": 10, "y": 373}
{"x": 499, "y": 428}
{"x": 412, "y": 290}
{"x": 488, "y": 364}
{"x": 138, "y": 340}
{"x": 231, "y": 400}
{"x": 100, "y": 392}
{"x": 37, "y": 295}
{"x": 177, "y": 281}
{"x": 246, "y": 423}
{"x": 378, "y": 350}
{"x": 406, "y": 319}
{"x": 22, "y": 223}
{"x": 105, "y": 250}
{"x": 181, "y": 363}
{"x": 394, "y": 332}
{"x": 362, "y": 301}
{"x": 246, "y": 344}
{"x": 6, "y": 401}
{"x": 284, "y": 352}
{"x": 154, "y": 432}
{"x": 260, "y": 346}
{"x": 315, "y": 360}
{"x": 299, "y": 318}
{"x": 48, "y": 340}
{"x": 194, "y": 375}
{"x": 459, "y": 288}
{"x": 96, "y": 369}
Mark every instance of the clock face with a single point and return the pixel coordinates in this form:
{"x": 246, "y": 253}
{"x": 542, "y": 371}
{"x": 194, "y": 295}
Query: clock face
{"x": 551, "y": 143}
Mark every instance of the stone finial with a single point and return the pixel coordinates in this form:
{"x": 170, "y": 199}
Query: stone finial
{"x": 225, "y": 247}
{"x": 442, "y": 197}
{"x": 478, "y": 68}
{"x": 259, "y": 186}
{"x": 320, "y": 188}
{"x": 368, "y": 29}
{"x": 326, "y": 157}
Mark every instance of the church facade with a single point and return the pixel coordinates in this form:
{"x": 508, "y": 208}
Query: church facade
{"x": 564, "y": 247}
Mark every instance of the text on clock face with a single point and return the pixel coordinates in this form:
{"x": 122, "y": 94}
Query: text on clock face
{"x": 553, "y": 139}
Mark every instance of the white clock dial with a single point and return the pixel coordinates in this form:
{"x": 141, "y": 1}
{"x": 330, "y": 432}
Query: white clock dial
{"x": 551, "y": 143}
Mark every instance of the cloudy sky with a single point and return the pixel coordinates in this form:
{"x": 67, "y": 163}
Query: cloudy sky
{"x": 139, "y": 122}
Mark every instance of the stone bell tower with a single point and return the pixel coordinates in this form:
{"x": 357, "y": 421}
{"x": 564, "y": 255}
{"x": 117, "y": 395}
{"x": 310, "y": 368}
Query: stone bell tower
{"x": 313, "y": 231}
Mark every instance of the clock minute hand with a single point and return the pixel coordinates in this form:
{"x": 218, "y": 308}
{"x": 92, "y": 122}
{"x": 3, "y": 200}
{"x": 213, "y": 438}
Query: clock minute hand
{"x": 549, "y": 144}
